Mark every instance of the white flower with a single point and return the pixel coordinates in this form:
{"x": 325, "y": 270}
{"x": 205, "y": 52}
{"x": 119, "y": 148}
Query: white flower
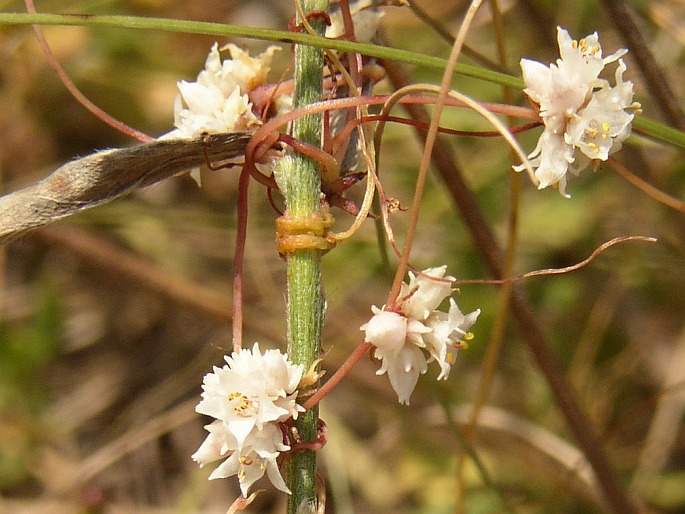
{"x": 389, "y": 331}
{"x": 386, "y": 330}
{"x": 248, "y": 397}
{"x": 585, "y": 118}
{"x": 446, "y": 335}
{"x": 401, "y": 336}
{"x": 258, "y": 455}
{"x": 403, "y": 368}
{"x": 423, "y": 294}
{"x": 218, "y": 101}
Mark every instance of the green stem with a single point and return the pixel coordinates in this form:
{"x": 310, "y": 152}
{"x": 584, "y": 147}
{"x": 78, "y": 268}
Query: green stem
{"x": 281, "y": 36}
{"x": 299, "y": 179}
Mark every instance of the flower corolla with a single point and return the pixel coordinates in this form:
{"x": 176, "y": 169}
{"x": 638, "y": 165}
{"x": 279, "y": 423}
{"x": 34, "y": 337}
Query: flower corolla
{"x": 586, "y": 119}
{"x": 249, "y": 397}
{"x": 403, "y": 336}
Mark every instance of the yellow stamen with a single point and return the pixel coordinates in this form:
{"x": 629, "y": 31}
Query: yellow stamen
{"x": 243, "y": 402}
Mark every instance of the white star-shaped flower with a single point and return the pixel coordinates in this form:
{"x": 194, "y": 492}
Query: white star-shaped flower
{"x": 447, "y": 331}
{"x": 251, "y": 390}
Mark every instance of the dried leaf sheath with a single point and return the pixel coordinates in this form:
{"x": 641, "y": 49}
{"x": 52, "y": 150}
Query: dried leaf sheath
{"x": 104, "y": 176}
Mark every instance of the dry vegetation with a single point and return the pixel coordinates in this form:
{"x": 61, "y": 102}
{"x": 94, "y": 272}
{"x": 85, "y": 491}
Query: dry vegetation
{"x": 109, "y": 320}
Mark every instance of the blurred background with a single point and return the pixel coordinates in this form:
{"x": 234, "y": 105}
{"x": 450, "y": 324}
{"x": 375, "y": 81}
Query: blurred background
{"x": 109, "y": 320}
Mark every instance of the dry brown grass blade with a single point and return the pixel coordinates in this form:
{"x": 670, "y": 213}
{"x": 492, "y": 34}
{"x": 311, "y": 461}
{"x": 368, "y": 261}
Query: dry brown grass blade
{"x": 103, "y": 176}
{"x": 554, "y": 458}
{"x": 661, "y": 440}
{"x": 100, "y": 253}
{"x": 74, "y": 475}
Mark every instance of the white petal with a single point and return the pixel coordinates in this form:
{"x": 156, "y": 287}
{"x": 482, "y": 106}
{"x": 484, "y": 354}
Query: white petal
{"x": 538, "y": 79}
{"x": 227, "y": 468}
{"x": 386, "y": 330}
{"x": 274, "y": 474}
{"x": 423, "y": 294}
{"x": 252, "y": 468}
{"x": 201, "y": 99}
{"x": 404, "y": 370}
{"x": 211, "y": 449}
{"x": 447, "y": 331}
{"x": 554, "y": 159}
{"x": 217, "y": 101}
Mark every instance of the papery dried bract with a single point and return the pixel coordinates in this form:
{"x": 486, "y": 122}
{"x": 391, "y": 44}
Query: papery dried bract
{"x": 365, "y": 17}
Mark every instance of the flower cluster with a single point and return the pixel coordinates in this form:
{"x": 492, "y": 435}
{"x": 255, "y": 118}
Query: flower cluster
{"x": 249, "y": 397}
{"x": 401, "y": 336}
{"x": 586, "y": 119}
{"x": 218, "y": 100}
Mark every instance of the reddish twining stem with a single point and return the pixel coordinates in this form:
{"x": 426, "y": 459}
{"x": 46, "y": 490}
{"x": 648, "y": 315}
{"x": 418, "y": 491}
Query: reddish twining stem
{"x": 334, "y": 143}
{"x": 355, "y": 59}
{"x": 429, "y": 142}
{"x": 267, "y": 134}
{"x": 239, "y": 259}
{"x": 331, "y": 168}
{"x": 342, "y": 371}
